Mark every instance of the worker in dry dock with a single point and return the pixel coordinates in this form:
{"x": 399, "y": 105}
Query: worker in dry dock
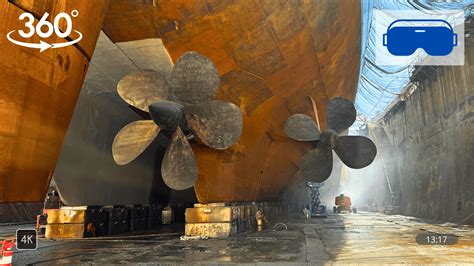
{"x": 306, "y": 212}
{"x": 261, "y": 219}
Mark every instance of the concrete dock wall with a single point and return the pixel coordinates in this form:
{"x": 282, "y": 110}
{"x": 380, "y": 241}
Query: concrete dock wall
{"x": 432, "y": 136}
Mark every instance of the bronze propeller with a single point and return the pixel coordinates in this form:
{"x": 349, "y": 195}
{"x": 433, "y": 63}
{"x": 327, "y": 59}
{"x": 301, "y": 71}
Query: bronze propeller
{"x": 354, "y": 151}
{"x": 184, "y": 103}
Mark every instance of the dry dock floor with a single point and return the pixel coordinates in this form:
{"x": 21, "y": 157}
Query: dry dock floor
{"x": 361, "y": 238}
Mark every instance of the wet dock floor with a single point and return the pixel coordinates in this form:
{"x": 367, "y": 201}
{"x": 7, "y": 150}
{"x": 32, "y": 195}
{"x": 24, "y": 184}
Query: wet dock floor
{"x": 340, "y": 238}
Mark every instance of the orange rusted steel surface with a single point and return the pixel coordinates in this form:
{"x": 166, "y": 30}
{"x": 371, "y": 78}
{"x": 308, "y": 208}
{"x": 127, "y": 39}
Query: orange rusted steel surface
{"x": 271, "y": 55}
{"x": 38, "y": 92}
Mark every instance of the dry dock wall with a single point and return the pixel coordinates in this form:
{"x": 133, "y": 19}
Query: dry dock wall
{"x": 432, "y": 137}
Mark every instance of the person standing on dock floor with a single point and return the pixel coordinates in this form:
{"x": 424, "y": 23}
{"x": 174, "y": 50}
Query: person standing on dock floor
{"x": 306, "y": 212}
{"x": 260, "y": 220}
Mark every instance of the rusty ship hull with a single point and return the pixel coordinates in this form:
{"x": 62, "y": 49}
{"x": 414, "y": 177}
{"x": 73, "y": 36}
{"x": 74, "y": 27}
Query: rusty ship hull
{"x": 270, "y": 56}
{"x": 38, "y": 92}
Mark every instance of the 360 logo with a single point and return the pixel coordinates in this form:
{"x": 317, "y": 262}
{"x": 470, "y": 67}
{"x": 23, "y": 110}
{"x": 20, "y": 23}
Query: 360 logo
{"x": 45, "y": 29}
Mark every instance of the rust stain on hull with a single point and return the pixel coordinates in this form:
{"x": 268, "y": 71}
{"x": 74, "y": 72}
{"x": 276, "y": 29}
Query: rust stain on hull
{"x": 38, "y": 92}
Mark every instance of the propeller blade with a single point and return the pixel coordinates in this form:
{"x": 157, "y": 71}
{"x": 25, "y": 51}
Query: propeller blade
{"x": 217, "y": 124}
{"x": 179, "y": 168}
{"x": 341, "y": 114}
{"x": 167, "y": 115}
{"x": 132, "y": 140}
{"x": 301, "y": 127}
{"x": 316, "y": 164}
{"x": 355, "y": 151}
{"x": 194, "y": 79}
{"x": 142, "y": 88}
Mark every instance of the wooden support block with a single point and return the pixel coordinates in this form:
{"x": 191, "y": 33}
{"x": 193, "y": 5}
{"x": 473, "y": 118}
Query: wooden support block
{"x": 118, "y": 227}
{"x": 212, "y": 230}
{"x": 238, "y": 212}
{"x": 248, "y": 211}
{"x": 69, "y": 216}
{"x": 64, "y": 231}
{"x": 210, "y": 215}
{"x": 76, "y": 222}
{"x": 223, "y": 220}
{"x": 215, "y": 204}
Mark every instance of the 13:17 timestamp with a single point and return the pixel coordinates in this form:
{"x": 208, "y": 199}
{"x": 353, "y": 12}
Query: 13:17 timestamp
{"x": 436, "y": 239}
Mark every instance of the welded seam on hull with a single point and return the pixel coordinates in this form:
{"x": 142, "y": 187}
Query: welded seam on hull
{"x": 317, "y": 58}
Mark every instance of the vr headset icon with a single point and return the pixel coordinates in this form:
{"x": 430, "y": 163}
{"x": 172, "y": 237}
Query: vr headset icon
{"x": 435, "y": 36}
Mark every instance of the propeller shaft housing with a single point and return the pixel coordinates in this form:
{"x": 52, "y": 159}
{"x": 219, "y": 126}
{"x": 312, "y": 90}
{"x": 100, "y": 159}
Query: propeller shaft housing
{"x": 167, "y": 115}
{"x": 329, "y": 137}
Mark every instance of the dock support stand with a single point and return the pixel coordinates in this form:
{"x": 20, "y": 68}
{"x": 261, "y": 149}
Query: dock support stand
{"x": 219, "y": 220}
{"x": 90, "y": 221}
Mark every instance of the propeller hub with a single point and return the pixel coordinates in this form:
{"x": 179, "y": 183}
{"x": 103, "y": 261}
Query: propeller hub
{"x": 329, "y": 137}
{"x": 167, "y": 115}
